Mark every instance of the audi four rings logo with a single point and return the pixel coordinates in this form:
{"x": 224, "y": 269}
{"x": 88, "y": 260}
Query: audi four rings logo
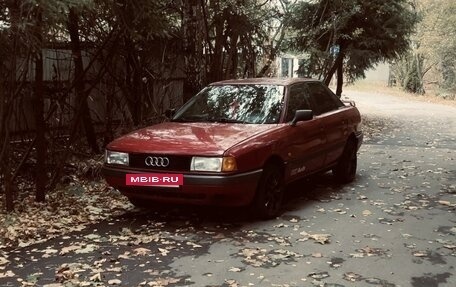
{"x": 157, "y": 161}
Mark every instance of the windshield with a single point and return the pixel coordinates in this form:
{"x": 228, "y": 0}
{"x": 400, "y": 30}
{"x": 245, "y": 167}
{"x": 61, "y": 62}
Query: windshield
{"x": 252, "y": 104}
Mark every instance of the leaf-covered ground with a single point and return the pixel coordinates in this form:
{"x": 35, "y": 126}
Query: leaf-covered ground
{"x": 71, "y": 208}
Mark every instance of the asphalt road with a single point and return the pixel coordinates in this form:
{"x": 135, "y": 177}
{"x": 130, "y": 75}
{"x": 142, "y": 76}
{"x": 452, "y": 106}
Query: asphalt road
{"x": 394, "y": 226}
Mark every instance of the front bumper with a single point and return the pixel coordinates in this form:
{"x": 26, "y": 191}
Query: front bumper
{"x": 201, "y": 189}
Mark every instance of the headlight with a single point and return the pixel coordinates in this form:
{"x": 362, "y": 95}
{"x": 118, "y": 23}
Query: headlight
{"x": 216, "y": 164}
{"x": 115, "y": 157}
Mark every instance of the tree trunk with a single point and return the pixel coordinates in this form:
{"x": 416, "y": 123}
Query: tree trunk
{"x": 81, "y": 95}
{"x": 9, "y": 191}
{"x": 38, "y": 109}
{"x": 265, "y": 68}
{"x": 5, "y": 170}
{"x": 340, "y": 78}
{"x": 232, "y": 62}
{"x": 191, "y": 24}
{"x": 7, "y": 95}
{"x": 134, "y": 91}
{"x": 338, "y": 62}
{"x": 273, "y": 50}
{"x": 108, "y": 135}
{"x": 216, "y": 66}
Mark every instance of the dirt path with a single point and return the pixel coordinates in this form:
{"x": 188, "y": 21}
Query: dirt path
{"x": 417, "y": 123}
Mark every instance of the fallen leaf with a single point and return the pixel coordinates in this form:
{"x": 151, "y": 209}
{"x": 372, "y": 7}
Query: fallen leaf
{"x": 235, "y": 269}
{"x": 444, "y": 202}
{"x": 194, "y": 245}
{"x": 68, "y": 249}
{"x": 232, "y": 283}
{"x": 161, "y": 282}
{"x": 142, "y": 251}
{"x": 114, "y": 282}
{"x": 96, "y": 277}
{"x": 7, "y": 274}
{"x": 163, "y": 251}
{"x": 88, "y": 249}
{"x": 420, "y": 254}
{"x": 351, "y": 276}
{"x": 320, "y": 238}
{"x": 3, "y": 260}
{"x": 126, "y": 255}
{"x": 92, "y": 236}
{"x": 319, "y": 275}
{"x": 367, "y": 212}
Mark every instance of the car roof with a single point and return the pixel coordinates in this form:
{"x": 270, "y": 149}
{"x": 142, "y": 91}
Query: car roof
{"x": 264, "y": 81}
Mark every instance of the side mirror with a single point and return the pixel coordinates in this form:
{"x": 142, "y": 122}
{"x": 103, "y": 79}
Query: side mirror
{"x": 169, "y": 113}
{"x": 302, "y": 116}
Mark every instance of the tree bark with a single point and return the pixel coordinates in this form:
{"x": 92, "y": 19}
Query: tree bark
{"x": 134, "y": 91}
{"x": 274, "y": 49}
{"x": 81, "y": 95}
{"x": 232, "y": 62}
{"x": 38, "y": 109}
{"x": 6, "y": 94}
{"x": 340, "y": 78}
{"x": 5, "y": 170}
{"x": 192, "y": 47}
{"x": 339, "y": 61}
{"x": 216, "y": 66}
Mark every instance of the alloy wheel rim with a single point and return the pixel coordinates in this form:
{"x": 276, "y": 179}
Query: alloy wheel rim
{"x": 273, "y": 193}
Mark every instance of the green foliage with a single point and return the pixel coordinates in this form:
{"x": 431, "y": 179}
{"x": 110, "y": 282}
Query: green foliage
{"x": 413, "y": 79}
{"x": 366, "y": 32}
{"x": 448, "y": 70}
{"x": 231, "y": 39}
{"x": 433, "y": 57}
{"x": 436, "y": 38}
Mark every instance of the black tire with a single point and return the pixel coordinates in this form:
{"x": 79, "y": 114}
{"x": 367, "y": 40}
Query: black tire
{"x": 268, "y": 199}
{"x": 345, "y": 170}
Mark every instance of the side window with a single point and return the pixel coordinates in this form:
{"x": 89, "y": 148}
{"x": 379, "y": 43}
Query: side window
{"x": 322, "y": 99}
{"x": 297, "y": 100}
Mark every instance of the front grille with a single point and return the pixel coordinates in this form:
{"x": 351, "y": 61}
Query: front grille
{"x": 176, "y": 162}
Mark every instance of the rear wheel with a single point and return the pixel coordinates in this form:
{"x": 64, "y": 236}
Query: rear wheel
{"x": 345, "y": 170}
{"x": 269, "y": 195}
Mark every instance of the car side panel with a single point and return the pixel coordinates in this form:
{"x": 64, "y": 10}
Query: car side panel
{"x": 335, "y": 124}
{"x": 303, "y": 146}
{"x": 300, "y": 148}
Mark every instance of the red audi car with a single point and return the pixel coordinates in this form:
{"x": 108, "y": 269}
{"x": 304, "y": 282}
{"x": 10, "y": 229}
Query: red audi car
{"x": 238, "y": 143}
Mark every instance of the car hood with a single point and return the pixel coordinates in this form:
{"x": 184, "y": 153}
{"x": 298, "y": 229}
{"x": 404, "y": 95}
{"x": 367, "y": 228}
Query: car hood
{"x": 187, "y": 138}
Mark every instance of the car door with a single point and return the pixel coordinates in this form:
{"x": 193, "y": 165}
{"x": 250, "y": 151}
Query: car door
{"x": 305, "y": 141}
{"x": 331, "y": 112}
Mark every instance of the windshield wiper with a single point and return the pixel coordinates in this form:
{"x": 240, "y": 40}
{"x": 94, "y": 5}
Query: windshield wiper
{"x": 182, "y": 120}
{"x": 226, "y": 120}
{"x": 191, "y": 119}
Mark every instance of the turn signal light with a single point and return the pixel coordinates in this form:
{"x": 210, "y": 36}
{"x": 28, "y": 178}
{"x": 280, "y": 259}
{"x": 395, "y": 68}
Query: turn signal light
{"x": 229, "y": 164}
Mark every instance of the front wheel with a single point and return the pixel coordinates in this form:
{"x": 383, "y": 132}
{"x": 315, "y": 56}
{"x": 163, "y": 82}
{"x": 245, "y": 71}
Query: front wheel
{"x": 269, "y": 195}
{"x": 345, "y": 170}
{"x": 141, "y": 203}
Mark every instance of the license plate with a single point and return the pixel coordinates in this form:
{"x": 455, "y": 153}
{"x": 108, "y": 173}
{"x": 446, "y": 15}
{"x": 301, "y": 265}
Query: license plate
{"x": 154, "y": 179}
